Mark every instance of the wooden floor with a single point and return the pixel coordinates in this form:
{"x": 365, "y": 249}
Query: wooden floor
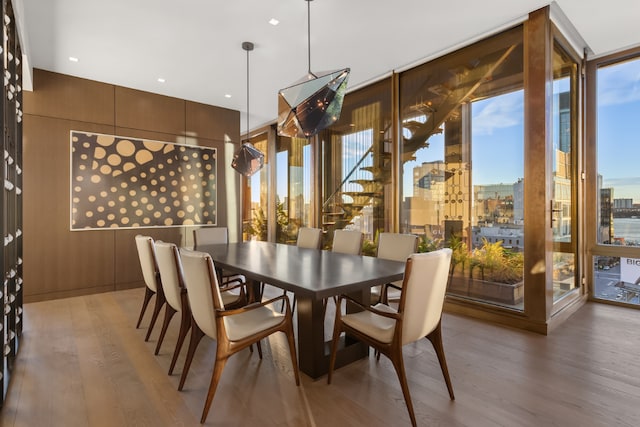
{"x": 83, "y": 363}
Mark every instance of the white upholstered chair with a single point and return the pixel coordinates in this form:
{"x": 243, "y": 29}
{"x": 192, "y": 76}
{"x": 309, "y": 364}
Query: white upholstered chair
{"x": 308, "y": 237}
{"x": 233, "y": 329}
{"x": 210, "y": 236}
{"x": 151, "y": 276}
{"x": 395, "y": 247}
{"x": 176, "y": 294}
{"x": 347, "y": 242}
{"x": 418, "y": 315}
{"x": 175, "y": 291}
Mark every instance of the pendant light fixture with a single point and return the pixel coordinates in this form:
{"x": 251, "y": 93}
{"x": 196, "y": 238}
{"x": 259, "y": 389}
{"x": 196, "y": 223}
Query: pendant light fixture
{"x": 248, "y": 159}
{"x": 314, "y": 102}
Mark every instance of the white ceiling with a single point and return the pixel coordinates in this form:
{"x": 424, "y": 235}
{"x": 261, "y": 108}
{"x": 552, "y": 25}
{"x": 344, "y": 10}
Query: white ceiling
{"x": 196, "y": 44}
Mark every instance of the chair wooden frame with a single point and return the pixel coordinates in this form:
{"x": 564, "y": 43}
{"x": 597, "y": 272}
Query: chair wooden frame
{"x": 212, "y": 236}
{"x": 393, "y": 349}
{"x": 196, "y": 332}
{"x": 151, "y": 275}
{"x": 227, "y": 347}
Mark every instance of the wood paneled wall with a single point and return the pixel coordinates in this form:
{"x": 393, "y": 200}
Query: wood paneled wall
{"x": 58, "y": 262}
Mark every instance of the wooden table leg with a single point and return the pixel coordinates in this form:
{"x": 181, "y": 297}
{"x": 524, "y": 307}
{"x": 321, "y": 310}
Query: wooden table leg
{"x": 313, "y": 351}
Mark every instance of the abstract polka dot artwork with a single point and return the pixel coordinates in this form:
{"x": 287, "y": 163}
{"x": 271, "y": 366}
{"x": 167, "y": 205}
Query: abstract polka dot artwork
{"x": 119, "y": 182}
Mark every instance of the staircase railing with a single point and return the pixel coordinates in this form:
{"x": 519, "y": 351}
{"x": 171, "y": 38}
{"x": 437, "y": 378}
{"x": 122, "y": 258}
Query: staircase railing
{"x": 347, "y": 177}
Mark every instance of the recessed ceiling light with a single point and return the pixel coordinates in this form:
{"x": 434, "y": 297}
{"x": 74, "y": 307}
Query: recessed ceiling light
{"x": 161, "y": 80}
{"x": 73, "y": 59}
{"x": 274, "y": 21}
{"x": 227, "y": 95}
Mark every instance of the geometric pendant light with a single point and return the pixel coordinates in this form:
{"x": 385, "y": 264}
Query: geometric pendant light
{"x": 248, "y": 159}
{"x": 314, "y": 102}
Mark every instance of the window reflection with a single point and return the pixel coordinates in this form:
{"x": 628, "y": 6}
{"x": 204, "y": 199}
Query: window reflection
{"x": 463, "y": 165}
{"x": 255, "y": 197}
{"x": 356, "y": 165}
{"x": 293, "y": 187}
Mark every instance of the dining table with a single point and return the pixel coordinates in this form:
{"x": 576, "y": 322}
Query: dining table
{"x": 313, "y": 276}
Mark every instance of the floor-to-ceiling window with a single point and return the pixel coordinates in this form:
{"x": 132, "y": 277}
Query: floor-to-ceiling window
{"x": 465, "y": 151}
{"x": 462, "y": 165}
{"x": 255, "y": 196}
{"x": 615, "y": 186}
{"x": 564, "y": 188}
{"x": 294, "y": 205}
{"x": 356, "y": 166}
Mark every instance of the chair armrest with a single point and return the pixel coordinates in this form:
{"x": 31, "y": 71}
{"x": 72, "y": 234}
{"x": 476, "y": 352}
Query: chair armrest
{"x": 249, "y": 307}
{"x": 232, "y": 277}
{"x": 231, "y": 284}
{"x": 228, "y": 286}
{"x": 396, "y": 316}
{"x": 391, "y": 285}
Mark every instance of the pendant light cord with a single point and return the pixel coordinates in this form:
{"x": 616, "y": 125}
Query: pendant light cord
{"x": 309, "y": 33}
{"x": 247, "y": 46}
{"x": 248, "y": 94}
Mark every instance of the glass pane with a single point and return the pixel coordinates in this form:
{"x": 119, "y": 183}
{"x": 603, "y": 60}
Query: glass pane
{"x": 356, "y": 165}
{"x": 564, "y": 69}
{"x": 617, "y": 279}
{"x": 618, "y": 151}
{"x": 293, "y": 187}
{"x": 563, "y": 118}
{"x": 462, "y": 159}
{"x": 255, "y": 196}
{"x": 564, "y": 279}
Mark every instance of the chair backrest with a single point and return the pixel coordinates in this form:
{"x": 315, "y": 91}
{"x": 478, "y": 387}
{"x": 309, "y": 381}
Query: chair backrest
{"x": 309, "y": 237}
{"x": 210, "y": 236}
{"x": 347, "y": 242}
{"x": 423, "y": 292}
{"x": 396, "y": 246}
{"x": 170, "y": 270}
{"x": 202, "y": 289}
{"x": 148, "y": 263}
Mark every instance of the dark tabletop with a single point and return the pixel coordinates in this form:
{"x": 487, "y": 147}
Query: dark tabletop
{"x": 306, "y": 272}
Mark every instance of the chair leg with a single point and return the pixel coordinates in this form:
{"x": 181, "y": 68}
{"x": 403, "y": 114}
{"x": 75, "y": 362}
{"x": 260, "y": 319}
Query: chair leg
{"x": 147, "y": 297}
{"x": 168, "y": 315}
{"x": 196, "y": 336}
{"x": 292, "y": 351}
{"x": 218, "y": 366}
{"x": 398, "y": 364}
{"x": 259, "y": 349}
{"x": 334, "y": 344}
{"x": 384, "y": 294}
{"x": 293, "y": 305}
{"x": 156, "y": 310}
{"x": 185, "y": 324}
{"x": 436, "y": 340}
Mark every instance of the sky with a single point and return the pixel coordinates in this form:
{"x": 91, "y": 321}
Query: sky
{"x": 498, "y": 149}
{"x": 619, "y": 128}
